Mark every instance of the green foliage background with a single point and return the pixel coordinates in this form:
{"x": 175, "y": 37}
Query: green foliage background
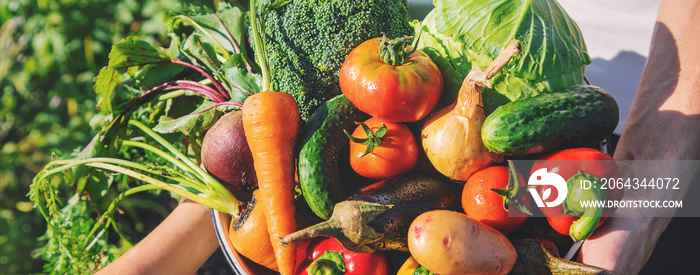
{"x": 50, "y": 51}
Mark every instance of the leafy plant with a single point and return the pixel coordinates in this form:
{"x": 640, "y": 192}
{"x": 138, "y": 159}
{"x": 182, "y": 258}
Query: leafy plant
{"x": 459, "y": 34}
{"x": 51, "y": 51}
{"x": 145, "y": 88}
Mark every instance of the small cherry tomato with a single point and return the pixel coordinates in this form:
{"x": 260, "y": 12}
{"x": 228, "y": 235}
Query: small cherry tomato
{"x": 403, "y": 89}
{"x": 380, "y": 149}
{"x": 483, "y": 204}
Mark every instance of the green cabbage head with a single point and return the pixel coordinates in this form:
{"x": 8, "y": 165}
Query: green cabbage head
{"x": 459, "y": 34}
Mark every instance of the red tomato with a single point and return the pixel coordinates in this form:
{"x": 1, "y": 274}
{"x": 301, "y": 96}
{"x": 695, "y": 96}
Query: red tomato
{"x": 396, "y": 154}
{"x": 486, "y": 206}
{"x": 591, "y": 161}
{"x": 402, "y": 93}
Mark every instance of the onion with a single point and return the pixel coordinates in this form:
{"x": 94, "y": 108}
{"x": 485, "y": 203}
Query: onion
{"x": 452, "y": 136}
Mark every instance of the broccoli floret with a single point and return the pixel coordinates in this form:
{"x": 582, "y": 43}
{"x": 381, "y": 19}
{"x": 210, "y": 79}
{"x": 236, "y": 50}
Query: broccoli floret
{"x": 307, "y": 42}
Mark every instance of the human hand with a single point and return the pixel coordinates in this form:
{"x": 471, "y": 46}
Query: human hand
{"x": 179, "y": 245}
{"x": 623, "y": 244}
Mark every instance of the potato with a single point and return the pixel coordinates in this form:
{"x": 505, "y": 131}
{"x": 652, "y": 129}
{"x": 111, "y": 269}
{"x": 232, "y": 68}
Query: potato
{"x": 448, "y": 242}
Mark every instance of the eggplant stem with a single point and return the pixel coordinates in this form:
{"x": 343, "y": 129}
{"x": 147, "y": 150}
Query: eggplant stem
{"x": 536, "y": 256}
{"x": 326, "y": 228}
{"x": 349, "y": 224}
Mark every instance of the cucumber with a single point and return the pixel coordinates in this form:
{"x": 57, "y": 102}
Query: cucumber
{"x": 323, "y": 140}
{"x": 577, "y": 116}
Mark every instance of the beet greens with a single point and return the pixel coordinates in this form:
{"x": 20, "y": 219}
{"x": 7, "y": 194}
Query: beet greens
{"x": 148, "y": 139}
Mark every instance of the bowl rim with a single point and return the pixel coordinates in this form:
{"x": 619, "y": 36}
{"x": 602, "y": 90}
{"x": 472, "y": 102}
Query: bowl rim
{"x": 233, "y": 259}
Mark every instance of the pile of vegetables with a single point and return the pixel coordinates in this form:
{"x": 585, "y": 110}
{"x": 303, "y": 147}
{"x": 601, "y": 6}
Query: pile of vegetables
{"x": 359, "y": 143}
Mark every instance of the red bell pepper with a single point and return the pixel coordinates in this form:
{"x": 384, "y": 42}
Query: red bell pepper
{"x": 328, "y": 256}
{"x": 574, "y": 165}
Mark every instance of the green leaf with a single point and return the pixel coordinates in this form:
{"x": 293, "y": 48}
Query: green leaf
{"x": 240, "y": 82}
{"x": 98, "y": 186}
{"x": 549, "y": 36}
{"x": 201, "y": 52}
{"x": 235, "y": 61}
{"x": 127, "y": 56}
{"x": 212, "y": 32}
{"x": 155, "y": 74}
{"x": 175, "y": 44}
{"x": 199, "y": 119}
{"x": 274, "y": 6}
{"x": 105, "y": 83}
{"x": 172, "y": 19}
{"x": 132, "y": 51}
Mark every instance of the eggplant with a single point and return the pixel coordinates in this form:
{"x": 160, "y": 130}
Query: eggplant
{"x": 377, "y": 217}
{"x": 410, "y": 195}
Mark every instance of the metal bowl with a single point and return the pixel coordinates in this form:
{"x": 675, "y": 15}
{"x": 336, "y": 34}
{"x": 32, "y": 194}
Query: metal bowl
{"x": 239, "y": 264}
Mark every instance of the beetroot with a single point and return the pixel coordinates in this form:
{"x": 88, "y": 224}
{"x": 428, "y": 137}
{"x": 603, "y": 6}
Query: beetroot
{"x": 226, "y": 155}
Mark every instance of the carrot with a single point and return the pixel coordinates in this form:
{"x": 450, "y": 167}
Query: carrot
{"x": 271, "y": 124}
{"x": 249, "y": 235}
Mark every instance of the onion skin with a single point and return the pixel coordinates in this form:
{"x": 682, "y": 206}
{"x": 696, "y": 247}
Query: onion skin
{"x": 451, "y": 137}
